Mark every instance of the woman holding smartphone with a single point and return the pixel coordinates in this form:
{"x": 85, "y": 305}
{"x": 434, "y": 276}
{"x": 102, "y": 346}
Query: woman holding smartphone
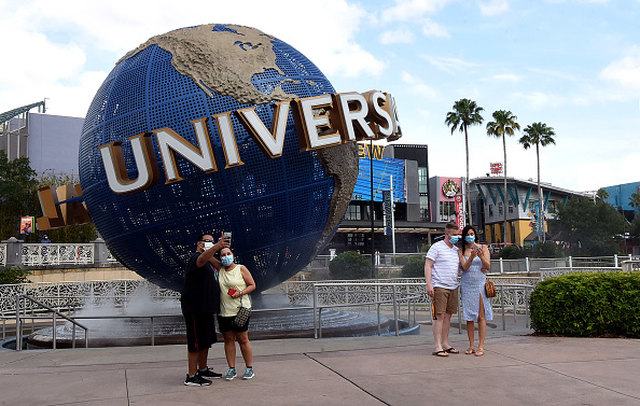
{"x": 475, "y": 261}
{"x": 236, "y": 283}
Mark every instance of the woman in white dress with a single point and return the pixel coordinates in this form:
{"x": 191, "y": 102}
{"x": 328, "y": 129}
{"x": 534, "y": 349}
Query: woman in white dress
{"x": 475, "y": 261}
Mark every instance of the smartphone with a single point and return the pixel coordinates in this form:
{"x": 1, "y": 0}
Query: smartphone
{"x": 231, "y": 292}
{"x": 227, "y": 234}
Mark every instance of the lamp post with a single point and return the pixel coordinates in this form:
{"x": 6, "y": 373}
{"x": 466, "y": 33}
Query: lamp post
{"x": 373, "y": 259}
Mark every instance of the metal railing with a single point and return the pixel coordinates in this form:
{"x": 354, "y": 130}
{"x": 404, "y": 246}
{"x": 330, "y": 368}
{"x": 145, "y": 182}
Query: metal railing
{"x": 57, "y": 254}
{"x": 21, "y": 316}
{"x": 3, "y": 255}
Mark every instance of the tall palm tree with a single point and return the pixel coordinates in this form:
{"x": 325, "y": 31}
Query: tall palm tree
{"x": 538, "y": 134}
{"x": 465, "y": 113}
{"x": 504, "y": 124}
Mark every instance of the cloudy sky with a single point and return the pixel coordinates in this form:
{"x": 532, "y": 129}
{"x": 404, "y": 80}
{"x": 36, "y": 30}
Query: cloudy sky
{"x": 572, "y": 64}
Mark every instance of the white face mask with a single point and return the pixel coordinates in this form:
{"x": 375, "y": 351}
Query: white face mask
{"x": 207, "y": 245}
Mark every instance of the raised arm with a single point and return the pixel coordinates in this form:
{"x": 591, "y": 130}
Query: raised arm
{"x": 485, "y": 257}
{"x": 466, "y": 263}
{"x": 208, "y": 254}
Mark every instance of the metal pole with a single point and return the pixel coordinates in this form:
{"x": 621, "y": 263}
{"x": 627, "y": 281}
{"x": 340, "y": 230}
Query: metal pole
{"x": 315, "y": 309}
{"x": 18, "y": 326}
{"x": 153, "y": 336}
{"x": 53, "y": 336}
{"x": 320, "y": 322}
{"x": 615, "y": 260}
{"x": 570, "y": 262}
{"x": 501, "y": 266}
{"x": 526, "y": 264}
{"x": 379, "y": 331}
{"x": 515, "y": 300}
{"x": 73, "y": 335}
{"x": 395, "y": 308}
{"x": 504, "y": 323}
{"x": 393, "y": 217}
{"x": 371, "y": 208}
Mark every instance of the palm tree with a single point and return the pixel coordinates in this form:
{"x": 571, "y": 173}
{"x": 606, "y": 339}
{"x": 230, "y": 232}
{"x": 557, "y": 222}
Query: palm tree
{"x": 465, "y": 113}
{"x": 504, "y": 124}
{"x": 538, "y": 134}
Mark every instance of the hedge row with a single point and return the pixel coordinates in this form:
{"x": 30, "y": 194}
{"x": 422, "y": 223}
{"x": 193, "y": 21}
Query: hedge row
{"x": 588, "y": 305}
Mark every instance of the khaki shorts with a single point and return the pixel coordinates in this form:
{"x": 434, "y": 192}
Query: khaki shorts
{"x": 445, "y": 300}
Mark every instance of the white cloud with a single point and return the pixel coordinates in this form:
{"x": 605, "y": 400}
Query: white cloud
{"x": 418, "y": 86}
{"x": 539, "y": 100}
{"x": 493, "y": 7}
{"x": 449, "y": 65}
{"x": 505, "y": 77}
{"x": 399, "y": 36}
{"x": 411, "y": 9}
{"x": 625, "y": 73}
{"x": 433, "y": 29}
{"x": 56, "y": 41}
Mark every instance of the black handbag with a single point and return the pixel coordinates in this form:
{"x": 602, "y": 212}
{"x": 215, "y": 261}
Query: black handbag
{"x": 242, "y": 318}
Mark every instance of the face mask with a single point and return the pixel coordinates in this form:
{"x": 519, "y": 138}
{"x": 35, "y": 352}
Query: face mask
{"x": 227, "y": 260}
{"x": 470, "y": 238}
{"x": 454, "y": 239}
{"x": 207, "y": 245}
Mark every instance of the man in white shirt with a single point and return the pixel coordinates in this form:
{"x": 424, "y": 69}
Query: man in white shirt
{"x": 441, "y": 272}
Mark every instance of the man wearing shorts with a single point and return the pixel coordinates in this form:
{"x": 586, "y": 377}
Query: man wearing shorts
{"x": 441, "y": 273}
{"x": 200, "y": 301}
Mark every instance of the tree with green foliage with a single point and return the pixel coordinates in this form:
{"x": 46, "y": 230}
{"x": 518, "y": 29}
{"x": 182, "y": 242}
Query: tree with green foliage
{"x": 350, "y": 265}
{"x": 465, "y": 113}
{"x": 589, "y": 226}
{"x": 17, "y": 186}
{"x": 504, "y": 124}
{"x": 13, "y": 275}
{"x": 538, "y": 134}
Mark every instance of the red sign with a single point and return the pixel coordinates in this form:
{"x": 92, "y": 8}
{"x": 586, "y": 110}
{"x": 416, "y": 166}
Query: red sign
{"x": 459, "y": 212}
{"x": 496, "y": 168}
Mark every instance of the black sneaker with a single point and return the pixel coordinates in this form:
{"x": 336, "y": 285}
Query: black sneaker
{"x": 208, "y": 373}
{"x": 196, "y": 380}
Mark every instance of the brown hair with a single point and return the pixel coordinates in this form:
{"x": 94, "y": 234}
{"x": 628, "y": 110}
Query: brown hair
{"x": 450, "y": 226}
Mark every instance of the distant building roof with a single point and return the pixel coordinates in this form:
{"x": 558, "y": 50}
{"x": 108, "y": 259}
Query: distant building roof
{"x": 8, "y": 115}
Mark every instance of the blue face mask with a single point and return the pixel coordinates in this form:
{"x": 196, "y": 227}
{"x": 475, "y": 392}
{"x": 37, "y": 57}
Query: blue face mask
{"x": 454, "y": 239}
{"x": 227, "y": 260}
{"x": 470, "y": 238}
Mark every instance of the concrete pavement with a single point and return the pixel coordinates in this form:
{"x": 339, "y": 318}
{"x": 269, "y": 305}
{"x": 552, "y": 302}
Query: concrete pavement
{"x": 516, "y": 369}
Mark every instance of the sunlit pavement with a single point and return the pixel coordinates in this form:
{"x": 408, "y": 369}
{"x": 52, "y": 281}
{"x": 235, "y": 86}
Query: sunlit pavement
{"x": 516, "y": 369}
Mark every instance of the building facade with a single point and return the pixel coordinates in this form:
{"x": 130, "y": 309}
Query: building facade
{"x": 489, "y": 204}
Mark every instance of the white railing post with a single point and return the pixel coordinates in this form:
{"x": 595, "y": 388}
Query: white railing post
{"x": 501, "y": 266}
{"x": 570, "y": 262}
{"x": 615, "y": 260}
{"x": 315, "y": 309}
{"x": 526, "y": 264}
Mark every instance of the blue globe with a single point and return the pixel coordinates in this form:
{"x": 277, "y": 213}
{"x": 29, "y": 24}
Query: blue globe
{"x": 280, "y": 210}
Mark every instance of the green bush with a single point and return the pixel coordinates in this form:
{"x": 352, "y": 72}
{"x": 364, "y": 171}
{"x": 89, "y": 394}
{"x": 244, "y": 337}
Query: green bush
{"x": 350, "y": 265}
{"x": 588, "y": 305}
{"x": 13, "y": 275}
{"x": 414, "y": 268}
{"x": 512, "y": 251}
{"x": 544, "y": 250}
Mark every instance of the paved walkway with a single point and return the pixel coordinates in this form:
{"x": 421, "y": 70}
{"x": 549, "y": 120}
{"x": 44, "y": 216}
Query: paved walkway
{"x": 517, "y": 369}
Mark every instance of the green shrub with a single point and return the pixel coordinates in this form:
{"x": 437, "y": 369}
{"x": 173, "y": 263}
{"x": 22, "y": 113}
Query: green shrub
{"x": 350, "y": 265}
{"x": 512, "y": 251}
{"x": 401, "y": 259}
{"x": 544, "y": 250}
{"x": 13, "y": 275}
{"x": 588, "y": 305}
{"x": 414, "y": 268}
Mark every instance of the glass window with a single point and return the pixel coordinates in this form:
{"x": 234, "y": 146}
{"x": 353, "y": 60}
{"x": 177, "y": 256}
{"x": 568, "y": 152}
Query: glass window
{"x": 353, "y": 212}
{"x": 490, "y": 210}
{"x": 424, "y": 208}
{"x": 500, "y": 209}
{"x": 510, "y": 208}
{"x": 422, "y": 180}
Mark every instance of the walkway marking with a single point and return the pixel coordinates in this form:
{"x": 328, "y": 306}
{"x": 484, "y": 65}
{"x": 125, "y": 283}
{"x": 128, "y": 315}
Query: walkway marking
{"x": 347, "y": 379}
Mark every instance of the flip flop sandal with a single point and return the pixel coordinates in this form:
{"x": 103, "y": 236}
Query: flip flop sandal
{"x": 470, "y": 351}
{"x": 452, "y": 350}
{"x": 480, "y": 352}
{"x": 441, "y": 353}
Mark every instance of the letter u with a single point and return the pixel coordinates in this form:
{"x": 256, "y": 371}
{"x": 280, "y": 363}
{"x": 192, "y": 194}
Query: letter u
{"x": 116, "y": 170}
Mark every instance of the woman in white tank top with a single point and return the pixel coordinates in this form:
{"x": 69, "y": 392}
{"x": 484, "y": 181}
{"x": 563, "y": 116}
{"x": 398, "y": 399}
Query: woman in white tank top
{"x": 236, "y": 283}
